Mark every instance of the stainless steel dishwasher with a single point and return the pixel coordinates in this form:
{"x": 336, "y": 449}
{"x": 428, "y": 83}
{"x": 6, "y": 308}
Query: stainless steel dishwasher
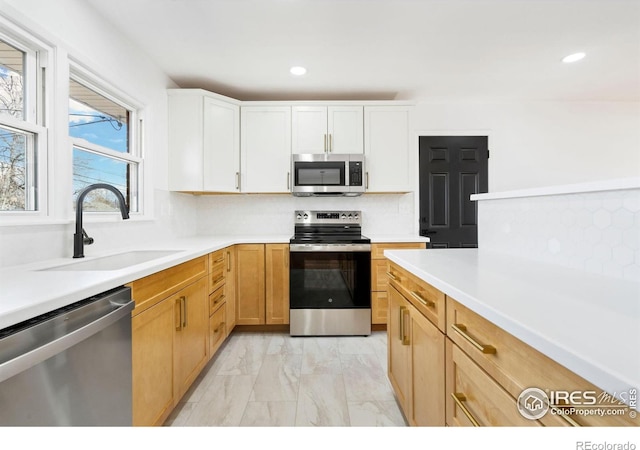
{"x": 69, "y": 367}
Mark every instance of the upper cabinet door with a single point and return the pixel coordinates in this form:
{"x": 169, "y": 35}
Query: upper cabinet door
{"x": 204, "y": 142}
{"x": 345, "y": 129}
{"x": 386, "y": 143}
{"x": 221, "y": 159}
{"x": 265, "y": 149}
{"x": 309, "y": 134}
{"x": 327, "y": 129}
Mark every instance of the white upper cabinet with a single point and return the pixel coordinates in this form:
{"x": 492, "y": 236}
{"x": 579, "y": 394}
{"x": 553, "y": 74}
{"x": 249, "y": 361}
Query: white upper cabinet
{"x": 386, "y": 148}
{"x": 327, "y": 129}
{"x": 266, "y": 149}
{"x": 204, "y": 142}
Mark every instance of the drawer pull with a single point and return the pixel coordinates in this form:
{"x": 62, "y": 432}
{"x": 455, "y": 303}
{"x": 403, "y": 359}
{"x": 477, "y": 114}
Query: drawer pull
{"x": 461, "y": 330}
{"x": 459, "y": 399}
{"x": 219, "y": 260}
{"x": 392, "y": 276}
{"x": 421, "y": 299}
{"x": 218, "y": 327}
{"x": 216, "y": 301}
{"x": 218, "y": 280}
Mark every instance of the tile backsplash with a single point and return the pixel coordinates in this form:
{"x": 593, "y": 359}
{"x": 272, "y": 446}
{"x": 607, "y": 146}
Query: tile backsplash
{"x": 598, "y": 232}
{"x": 269, "y": 214}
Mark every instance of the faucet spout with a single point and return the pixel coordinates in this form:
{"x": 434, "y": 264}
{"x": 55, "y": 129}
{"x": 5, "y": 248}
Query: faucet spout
{"x": 80, "y": 236}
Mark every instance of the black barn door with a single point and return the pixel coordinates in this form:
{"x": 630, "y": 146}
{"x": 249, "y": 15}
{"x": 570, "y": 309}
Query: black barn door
{"x": 451, "y": 169}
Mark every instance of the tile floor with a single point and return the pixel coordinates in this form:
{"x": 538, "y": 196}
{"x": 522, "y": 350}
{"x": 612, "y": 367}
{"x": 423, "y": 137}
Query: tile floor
{"x": 272, "y": 379}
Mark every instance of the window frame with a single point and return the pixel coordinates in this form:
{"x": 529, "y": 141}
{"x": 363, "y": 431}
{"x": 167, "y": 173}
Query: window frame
{"x": 135, "y": 153}
{"x": 37, "y": 60}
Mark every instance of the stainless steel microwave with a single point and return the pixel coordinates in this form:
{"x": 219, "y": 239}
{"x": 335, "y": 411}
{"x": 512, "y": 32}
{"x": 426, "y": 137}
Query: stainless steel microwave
{"x": 327, "y": 174}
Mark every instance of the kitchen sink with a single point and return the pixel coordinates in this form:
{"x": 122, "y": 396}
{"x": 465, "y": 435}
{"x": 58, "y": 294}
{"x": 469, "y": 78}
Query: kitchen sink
{"x": 114, "y": 262}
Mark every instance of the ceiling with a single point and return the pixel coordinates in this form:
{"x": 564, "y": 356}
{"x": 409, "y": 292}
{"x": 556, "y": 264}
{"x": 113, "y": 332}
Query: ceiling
{"x": 390, "y": 49}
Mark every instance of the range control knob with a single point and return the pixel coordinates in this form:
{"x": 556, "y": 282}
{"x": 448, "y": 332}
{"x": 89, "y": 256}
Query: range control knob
{"x": 350, "y": 217}
{"x": 299, "y": 216}
{"x": 355, "y": 216}
{"x": 306, "y": 216}
{"x": 344, "y": 216}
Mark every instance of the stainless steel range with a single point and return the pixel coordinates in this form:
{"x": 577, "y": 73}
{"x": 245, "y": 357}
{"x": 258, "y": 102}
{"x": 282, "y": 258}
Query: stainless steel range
{"x": 330, "y": 275}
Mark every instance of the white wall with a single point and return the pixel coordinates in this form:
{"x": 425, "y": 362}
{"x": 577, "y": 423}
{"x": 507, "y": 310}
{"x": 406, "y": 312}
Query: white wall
{"x": 75, "y": 30}
{"x": 536, "y": 144}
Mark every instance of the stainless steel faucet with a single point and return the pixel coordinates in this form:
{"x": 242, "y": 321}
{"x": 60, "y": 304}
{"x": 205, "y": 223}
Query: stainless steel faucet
{"x": 80, "y": 237}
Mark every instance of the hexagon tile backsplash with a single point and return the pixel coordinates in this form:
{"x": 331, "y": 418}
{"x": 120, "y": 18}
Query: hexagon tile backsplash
{"x": 598, "y": 232}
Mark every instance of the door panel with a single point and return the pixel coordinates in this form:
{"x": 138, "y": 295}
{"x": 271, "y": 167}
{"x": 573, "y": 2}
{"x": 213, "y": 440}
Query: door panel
{"x": 451, "y": 169}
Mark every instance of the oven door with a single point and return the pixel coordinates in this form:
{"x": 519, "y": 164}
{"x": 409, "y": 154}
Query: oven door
{"x": 330, "y": 289}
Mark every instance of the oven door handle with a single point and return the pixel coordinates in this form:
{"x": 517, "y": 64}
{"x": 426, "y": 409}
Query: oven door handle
{"x": 330, "y": 247}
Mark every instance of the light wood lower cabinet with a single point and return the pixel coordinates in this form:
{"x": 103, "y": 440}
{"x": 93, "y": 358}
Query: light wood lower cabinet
{"x": 250, "y": 284}
{"x": 191, "y": 334}
{"x": 379, "y": 269}
{"x": 169, "y": 342}
{"x": 277, "y": 283}
{"x": 262, "y": 284}
{"x": 152, "y": 364}
{"x": 230, "y": 289}
{"x": 415, "y": 355}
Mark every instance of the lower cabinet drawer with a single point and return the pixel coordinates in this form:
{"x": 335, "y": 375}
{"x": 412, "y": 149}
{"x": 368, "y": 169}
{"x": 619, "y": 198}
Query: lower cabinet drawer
{"x": 473, "y": 398}
{"x": 217, "y": 330}
{"x": 217, "y": 299}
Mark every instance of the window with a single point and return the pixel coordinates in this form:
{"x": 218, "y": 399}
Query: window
{"x": 102, "y": 131}
{"x": 22, "y": 138}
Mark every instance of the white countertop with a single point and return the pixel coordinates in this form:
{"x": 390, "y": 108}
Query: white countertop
{"x": 588, "y": 323}
{"x": 26, "y": 291}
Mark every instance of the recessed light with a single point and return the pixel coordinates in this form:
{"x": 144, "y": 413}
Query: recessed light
{"x": 573, "y": 57}
{"x": 298, "y": 71}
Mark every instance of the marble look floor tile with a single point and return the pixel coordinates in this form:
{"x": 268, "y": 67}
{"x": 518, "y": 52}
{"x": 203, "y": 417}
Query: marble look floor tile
{"x": 283, "y": 344}
{"x": 320, "y": 356}
{"x": 355, "y": 345}
{"x": 365, "y": 379}
{"x": 224, "y": 402}
{"x": 245, "y": 356}
{"x": 375, "y": 414}
{"x": 180, "y": 414}
{"x": 322, "y": 401}
{"x": 278, "y": 378}
{"x": 269, "y": 414}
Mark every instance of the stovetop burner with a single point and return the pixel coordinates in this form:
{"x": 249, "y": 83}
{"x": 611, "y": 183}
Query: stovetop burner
{"x": 328, "y": 227}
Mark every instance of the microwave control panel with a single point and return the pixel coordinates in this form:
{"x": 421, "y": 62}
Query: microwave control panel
{"x": 355, "y": 173}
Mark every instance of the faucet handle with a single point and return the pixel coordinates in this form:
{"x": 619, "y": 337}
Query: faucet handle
{"x": 86, "y": 239}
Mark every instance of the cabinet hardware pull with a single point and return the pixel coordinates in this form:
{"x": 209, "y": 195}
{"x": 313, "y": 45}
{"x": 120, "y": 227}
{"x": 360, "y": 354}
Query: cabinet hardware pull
{"x": 219, "y": 260}
{"x": 401, "y": 323}
{"x": 330, "y": 143}
{"x": 422, "y": 300}
{"x": 288, "y": 180}
{"x": 218, "y": 327}
{"x": 392, "y": 276}
{"x": 217, "y": 280}
{"x": 216, "y": 301}
{"x": 178, "y": 316}
{"x": 459, "y": 398}
{"x": 238, "y": 181}
{"x": 403, "y": 328}
{"x": 366, "y": 184}
{"x": 325, "y": 143}
{"x": 461, "y": 330}
{"x": 228, "y": 261}
{"x": 184, "y": 318}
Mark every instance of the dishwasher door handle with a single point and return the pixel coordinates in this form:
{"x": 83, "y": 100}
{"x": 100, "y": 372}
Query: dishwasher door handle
{"x": 31, "y": 358}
